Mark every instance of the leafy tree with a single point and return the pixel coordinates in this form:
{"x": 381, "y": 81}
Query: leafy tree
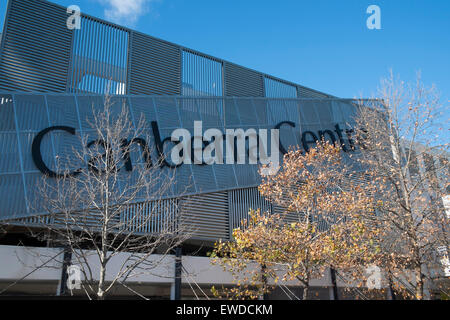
{"x": 328, "y": 232}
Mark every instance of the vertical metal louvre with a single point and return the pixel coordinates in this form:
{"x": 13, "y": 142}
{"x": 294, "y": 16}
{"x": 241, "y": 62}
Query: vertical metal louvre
{"x": 201, "y": 76}
{"x": 99, "y": 58}
{"x": 240, "y": 201}
{"x": 277, "y": 89}
{"x": 151, "y": 216}
{"x": 36, "y": 47}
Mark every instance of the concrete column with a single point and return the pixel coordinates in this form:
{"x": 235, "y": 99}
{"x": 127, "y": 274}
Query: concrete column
{"x": 67, "y": 260}
{"x": 333, "y": 289}
{"x": 175, "y": 290}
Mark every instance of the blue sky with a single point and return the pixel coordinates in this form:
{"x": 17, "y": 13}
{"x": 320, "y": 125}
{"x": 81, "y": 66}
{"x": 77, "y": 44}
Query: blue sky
{"x": 322, "y": 44}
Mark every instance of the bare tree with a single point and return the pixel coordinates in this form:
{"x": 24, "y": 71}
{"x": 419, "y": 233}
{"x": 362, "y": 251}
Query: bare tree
{"x": 406, "y": 156}
{"x": 111, "y": 201}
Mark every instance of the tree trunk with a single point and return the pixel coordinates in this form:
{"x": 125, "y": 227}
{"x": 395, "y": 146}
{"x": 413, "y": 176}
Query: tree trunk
{"x": 101, "y": 284}
{"x": 334, "y": 283}
{"x": 100, "y": 294}
{"x": 264, "y": 282}
{"x": 419, "y": 285}
{"x": 102, "y": 275}
{"x": 390, "y": 289}
{"x": 305, "y": 293}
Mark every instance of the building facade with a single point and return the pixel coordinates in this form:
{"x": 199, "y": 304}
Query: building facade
{"x": 52, "y": 75}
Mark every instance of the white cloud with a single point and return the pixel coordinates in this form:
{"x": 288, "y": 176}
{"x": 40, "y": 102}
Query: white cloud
{"x": 126, "y": 12}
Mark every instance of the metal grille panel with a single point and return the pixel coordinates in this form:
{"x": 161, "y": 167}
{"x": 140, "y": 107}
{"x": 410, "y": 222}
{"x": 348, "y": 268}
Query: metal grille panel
{"x": 40, "y": 54}
{"x": 201, "y": 75}
{"x": 241, "y": 201}
{"x": 242, "y": 82}
{"x": 155, "y": 66}
{"x": 304, "y": 92}
{"x": 278, "y": 89}
{"x": 206, "y": 216}
{"x": 99, "y": 58}
{"x": 35, "y": 48}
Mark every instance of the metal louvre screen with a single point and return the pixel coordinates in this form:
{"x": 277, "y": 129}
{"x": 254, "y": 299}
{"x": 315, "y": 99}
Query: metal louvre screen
{"x": 24, "y": 115}
{"x": 99, "y": 58}
{"x": 40, "y": 54}
{"x": 240, "y": 203}
{"x": 35, "y": 47}
{"x": 155, "y": 66}
{"x": 202, "y": 76}
{"x": 304, "y": 92}
{"x": 206, "y": 216}
{"x": 242, "y": 82}
{"x": 277, "y": 89}
{"x": 242, "y": 200}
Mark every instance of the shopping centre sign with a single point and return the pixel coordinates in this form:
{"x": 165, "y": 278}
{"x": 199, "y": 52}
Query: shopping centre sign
{"x": 212, "y": 146}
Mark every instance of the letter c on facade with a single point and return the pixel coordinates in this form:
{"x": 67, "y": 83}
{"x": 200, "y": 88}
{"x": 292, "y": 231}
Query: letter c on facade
{"x": 37, "y": 155}
{"x": 278, "y": 126}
